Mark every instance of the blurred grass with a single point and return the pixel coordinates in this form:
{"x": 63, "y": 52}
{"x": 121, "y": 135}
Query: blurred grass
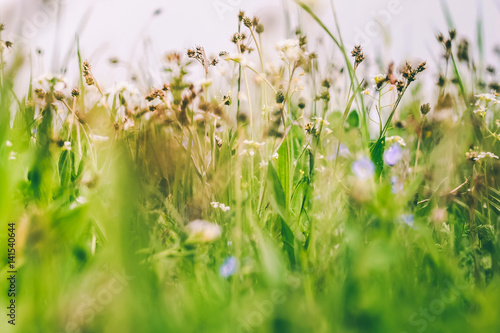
{"x": 103, "y": 236}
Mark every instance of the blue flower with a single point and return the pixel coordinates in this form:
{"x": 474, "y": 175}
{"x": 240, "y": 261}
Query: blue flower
{"x": 363, "y": 168}
{"x": 408, "y": 219}
{"x": 396, "y": 185}
{"x": 393, "y": 155}
{"x": 228, "y": 268}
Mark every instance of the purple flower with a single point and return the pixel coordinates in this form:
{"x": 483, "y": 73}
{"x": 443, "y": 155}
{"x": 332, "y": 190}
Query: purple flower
{"x": 363, "y": 168}
{"x": 393, "y": 155}
{"x": 228, "y": 268}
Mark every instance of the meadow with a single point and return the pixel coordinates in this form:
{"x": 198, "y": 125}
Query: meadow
{"x": 250, "y": 195}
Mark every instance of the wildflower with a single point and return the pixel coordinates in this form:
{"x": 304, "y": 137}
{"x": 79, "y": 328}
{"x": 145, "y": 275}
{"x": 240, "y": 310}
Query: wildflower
{"x": 396, "y": 185}
{"x": 228, "y": 268}
{"x": 128, "y": 123}
{"x": 408, "y": 219}
{"x": 203, "y": 231}
{"x": 393, "y": 155}
{"x": 395, "y": 139}
{"x": 363, "y": 168}
{"x": 483, "y": 154}
{"x": 290, "y": 50}
{"x": 488, "y": 98}
{"x": 263, "y": 164}
{"x": 8, "y": 143}
{"x": 12, "y": 156}
{"x": 67, "y": 145}
{"x": 223, "y": 207}
{"x": 380, "y": 79}
{"x": 275, "y": 156}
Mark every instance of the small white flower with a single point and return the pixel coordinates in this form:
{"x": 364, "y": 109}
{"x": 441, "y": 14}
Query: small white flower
{"x": 395, "y": 139}
{"x": 275, "y": 156}
{"x": 290, "y": 50}
{"x": 8, "y": 143}
{"x": 128, "y": 123}
{"x": 263, "y": 164}
{"x": 223, "y": 207}
{"x": 203, "y": 231}
{"x": 67, "y": 145}
{"x": 484, "y": 155}
{"x": 12, "y": 155}
{"x": 379, "y": 78}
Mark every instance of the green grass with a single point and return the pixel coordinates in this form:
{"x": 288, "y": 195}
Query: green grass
{"x": 120, "y": 196}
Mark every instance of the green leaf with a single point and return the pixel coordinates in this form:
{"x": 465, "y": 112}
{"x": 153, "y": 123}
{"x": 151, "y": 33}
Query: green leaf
{"x": 377, "y": 155}
{"x": 353, "y": 119}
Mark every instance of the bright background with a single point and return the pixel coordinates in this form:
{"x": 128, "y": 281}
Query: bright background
{"x": 130, "y": 30}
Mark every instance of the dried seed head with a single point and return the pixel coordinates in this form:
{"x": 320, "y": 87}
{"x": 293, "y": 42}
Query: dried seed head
{"x": 247, "y": 22}
{"x": 58, "y": 95}
{"x": 425, "y": 108}
{"x": 453, "y": 34}
{"x": 358, "y": 55}
{"x": 241, "y": 15}
{"x": 280, "y": 96}
{"x": 440, "y": 38}
{"x": 259, "y": 29}
{"x": 2, "y": 27}
{"x": 40, "y": 93}
{"x": 218, "y": 141}
{"x": 75, "y": 92}
{"x": 463, "y": 51}
{"x": 8, "y": 44}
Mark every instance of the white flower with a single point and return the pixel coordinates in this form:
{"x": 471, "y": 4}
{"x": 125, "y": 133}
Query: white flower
{"x": 8, "y": 143}
{"x": 483, "y": 154}
{"x": 290, "y": 49}
{"x": 379, "y": 78}
{"x": 395, "y": 139}
{"x": 67, "y": 145}
{"x": 48, "y": 80}
{"x": 486, "y": 98}
{"x": 128, "y": 123}
{"x": 203, "y": 231}
{"x": 12, "y": 155}
{"x": 275, "y": 156}
{"x": 263, "y": 164}
{"x": 223, "y": 207}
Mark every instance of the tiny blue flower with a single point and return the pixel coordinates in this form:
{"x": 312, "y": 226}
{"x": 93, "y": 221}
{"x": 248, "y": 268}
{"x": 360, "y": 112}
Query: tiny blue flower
{"x": 408, "y": 219}
{"x": 228, "y": 268}
{"x": 393, "y": 155}
{"x": 363, "y": 168}
{"x": 396, "y": 185}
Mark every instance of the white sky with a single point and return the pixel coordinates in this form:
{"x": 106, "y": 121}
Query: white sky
{"x": 122, "y": 28}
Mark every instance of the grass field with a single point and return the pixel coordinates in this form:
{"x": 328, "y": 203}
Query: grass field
{"x": 246, "y": 195}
